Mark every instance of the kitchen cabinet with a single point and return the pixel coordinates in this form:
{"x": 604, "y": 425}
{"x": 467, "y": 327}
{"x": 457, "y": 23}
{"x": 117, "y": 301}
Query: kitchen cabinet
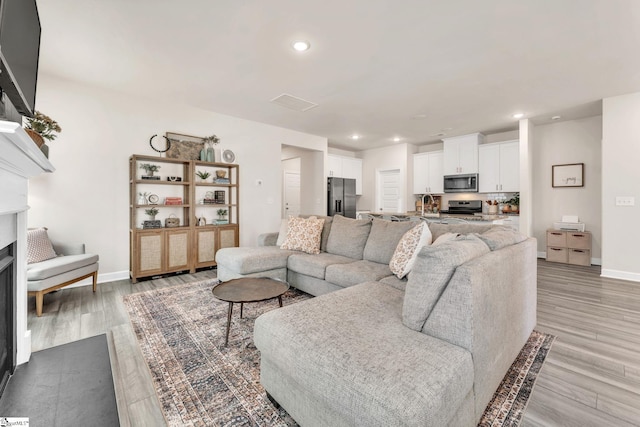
{"x": 499, "y": 167}
{"x": 346, "y": 167}
{"x": 461, "y": 154}
{"x": 428, "y": 176}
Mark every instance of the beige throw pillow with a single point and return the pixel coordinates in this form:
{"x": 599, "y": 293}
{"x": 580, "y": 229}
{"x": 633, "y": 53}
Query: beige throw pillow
{"x": 407, "y": 250}
{"x": 39, "y": 247}
{"x": 304, "y": 234}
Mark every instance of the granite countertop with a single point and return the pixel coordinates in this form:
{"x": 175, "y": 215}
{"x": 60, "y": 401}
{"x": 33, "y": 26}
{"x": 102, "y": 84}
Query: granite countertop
{"x": 485, "y": 217}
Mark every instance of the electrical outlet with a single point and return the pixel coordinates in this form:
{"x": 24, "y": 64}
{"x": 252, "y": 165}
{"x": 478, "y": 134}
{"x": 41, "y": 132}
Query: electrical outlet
{"x": 625, "y": 201}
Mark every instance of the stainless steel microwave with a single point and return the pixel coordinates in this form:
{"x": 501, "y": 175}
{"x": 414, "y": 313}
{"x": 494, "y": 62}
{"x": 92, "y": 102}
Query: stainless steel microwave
{"x": 467, "y": 183}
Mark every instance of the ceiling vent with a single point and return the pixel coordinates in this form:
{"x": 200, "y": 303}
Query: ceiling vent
{"x": 293, "y": 102}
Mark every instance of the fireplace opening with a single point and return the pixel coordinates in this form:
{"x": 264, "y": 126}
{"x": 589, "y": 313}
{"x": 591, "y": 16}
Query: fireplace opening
{"x": 7, "y": 314}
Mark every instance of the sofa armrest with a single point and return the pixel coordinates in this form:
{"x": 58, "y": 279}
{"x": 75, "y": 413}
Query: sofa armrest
{"x": 68, "y": 249}
{"x": 267, "y": 239}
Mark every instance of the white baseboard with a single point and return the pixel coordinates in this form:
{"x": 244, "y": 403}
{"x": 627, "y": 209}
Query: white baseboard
{"x": 617, "y": 274}
{"x": 594, "y": 261}
{"x": 102, "y": 278}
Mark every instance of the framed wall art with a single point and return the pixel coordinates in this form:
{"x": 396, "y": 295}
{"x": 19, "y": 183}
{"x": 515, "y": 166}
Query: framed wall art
{"x": 569, "y": 175}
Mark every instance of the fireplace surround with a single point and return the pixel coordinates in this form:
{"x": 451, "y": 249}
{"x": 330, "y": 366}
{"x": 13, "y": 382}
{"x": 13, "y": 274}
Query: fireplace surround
{"x": 20, "y": 159}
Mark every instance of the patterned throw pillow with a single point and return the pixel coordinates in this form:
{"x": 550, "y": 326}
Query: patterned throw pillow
{"x": 304, "y": 234}
{"x": 407, "y": 250}
{"x": 39, "y": 247}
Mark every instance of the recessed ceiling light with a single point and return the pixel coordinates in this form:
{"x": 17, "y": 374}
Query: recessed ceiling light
{"x": 556, "y": 117}
{"x": 354, "y": 136}
{"x": 396, "y": 139}
{"x": 518, "y": 115}
{"x": 301, "y": 45}
{"x": 439, "y": 134}
{"x": 419, "y": 116}
{"x": 446, "y": 129}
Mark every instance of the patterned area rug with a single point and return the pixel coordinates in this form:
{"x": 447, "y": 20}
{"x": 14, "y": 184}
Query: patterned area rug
{"x": 200, "y": 382}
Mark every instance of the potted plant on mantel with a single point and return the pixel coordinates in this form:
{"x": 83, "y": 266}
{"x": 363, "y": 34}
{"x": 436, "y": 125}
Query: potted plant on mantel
{"x": 41, "y": 127}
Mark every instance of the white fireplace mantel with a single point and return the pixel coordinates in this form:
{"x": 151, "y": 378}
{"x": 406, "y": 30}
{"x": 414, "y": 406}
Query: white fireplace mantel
{"x": 20, "y": 159}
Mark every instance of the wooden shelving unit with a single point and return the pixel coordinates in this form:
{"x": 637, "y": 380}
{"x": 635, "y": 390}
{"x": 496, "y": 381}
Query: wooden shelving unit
{"x": 156, "y": 251}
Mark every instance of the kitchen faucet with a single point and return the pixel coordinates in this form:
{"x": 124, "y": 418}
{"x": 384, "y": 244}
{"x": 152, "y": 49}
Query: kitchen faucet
{"x": 433, "y": 202}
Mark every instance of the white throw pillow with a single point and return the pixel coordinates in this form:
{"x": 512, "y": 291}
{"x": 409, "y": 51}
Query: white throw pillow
{"x": 444, "y": 238}
{"x": 282, "y": 234}
{"x": 304, "y": 234}
{"x": 39, "y": 247}
{"x": 407, "y": 250}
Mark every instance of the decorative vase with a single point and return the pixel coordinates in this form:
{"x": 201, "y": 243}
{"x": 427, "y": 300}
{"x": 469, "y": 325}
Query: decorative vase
{"x": 221, "y": 173}
{"x": 142, "y": 200}
{"x": 203, "y": 154}
{"x": 210, "y": 155}
{"x": 36, "y": 137}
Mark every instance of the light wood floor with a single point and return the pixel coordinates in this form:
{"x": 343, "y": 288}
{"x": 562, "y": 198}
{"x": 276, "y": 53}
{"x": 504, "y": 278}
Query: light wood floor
{"x": 591, "y": 376}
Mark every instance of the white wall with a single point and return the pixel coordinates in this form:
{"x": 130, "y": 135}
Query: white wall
{"x": 86, "y": 199}
{"x": 573, "y": 141}
{"x": 621, "y": 177}
{"x": 397, "y": 156}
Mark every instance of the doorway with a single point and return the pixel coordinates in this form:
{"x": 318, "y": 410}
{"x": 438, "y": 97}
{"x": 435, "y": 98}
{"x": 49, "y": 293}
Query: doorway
{"x": 291, "y": 200}
{"x": 388, "y": 191}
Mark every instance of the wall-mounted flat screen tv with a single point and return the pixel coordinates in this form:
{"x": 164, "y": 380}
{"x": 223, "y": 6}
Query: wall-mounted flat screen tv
{"x": 19, "y": 52}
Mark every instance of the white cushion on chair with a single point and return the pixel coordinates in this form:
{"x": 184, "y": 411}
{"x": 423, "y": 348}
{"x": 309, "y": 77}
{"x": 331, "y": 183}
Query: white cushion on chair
{"x": 59, "y": 265}
{"x": 39, "y": 247}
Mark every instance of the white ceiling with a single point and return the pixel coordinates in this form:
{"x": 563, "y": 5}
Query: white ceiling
{"x": 373, "y": 66}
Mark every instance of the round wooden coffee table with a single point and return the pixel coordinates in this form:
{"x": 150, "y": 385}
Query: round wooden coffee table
{"x": 248, "y": 289}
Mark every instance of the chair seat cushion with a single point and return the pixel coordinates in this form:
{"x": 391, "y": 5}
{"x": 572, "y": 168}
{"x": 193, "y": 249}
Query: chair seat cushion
{"x": 59, "y": 265}
{"x": 356, "y": 272}
{"x": 247, "y": 260}
{"x": 315, "y": 265}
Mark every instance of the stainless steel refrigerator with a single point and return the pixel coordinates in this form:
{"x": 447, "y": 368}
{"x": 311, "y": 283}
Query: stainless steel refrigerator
{"x": 342, "y": 197}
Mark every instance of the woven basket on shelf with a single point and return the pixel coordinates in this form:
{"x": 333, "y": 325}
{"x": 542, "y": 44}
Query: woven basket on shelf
{"x": 172, "y": 221}
{"x": 39, "y": 140}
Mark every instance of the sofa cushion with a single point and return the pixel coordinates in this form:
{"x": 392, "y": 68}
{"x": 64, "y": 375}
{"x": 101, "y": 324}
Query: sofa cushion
{"x": 444, "y": 238}
{"x": 431, "y": 274}
{"x": 58, "y": 265}
{"x": 247, "y": 260}
{"x": 383, "y": 239}
{"x": 282, "y": 234}
{"x": 303, "y": 234}
{"x": 356, "y": 272}
{"x": 407, "y": 249}
{"x": 499, "y": 237}
{"x": 439, "y": 229}
{"x": 394, "y": 282}
{"x": 350, "y": 349}
{"x": 314, "y": 265}
{"x": 39, "y": 247}
{"x": 348, "y": 236}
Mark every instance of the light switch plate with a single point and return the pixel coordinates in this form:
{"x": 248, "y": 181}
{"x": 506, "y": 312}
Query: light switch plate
{"x": 625, "y": 201}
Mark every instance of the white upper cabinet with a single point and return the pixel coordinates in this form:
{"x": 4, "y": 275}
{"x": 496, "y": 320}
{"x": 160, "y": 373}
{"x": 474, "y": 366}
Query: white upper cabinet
{"x": 335, "y": 166}
{"x": 499, "y": 167}
{"x": 461, "y": 154}
{"x": 427, "y": 173}
{"x": 346, "y": 167}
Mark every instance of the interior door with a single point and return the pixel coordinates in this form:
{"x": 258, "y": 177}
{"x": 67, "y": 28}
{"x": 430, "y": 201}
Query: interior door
{"x": 388, "y": 191}
{"x": 291, "y": 194}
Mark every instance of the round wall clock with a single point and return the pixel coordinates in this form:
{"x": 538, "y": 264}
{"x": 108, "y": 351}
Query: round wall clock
{"x": 153, "y": 199}
{"x": 228, "y": 156}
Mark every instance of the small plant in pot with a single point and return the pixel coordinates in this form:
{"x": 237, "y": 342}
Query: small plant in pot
{"x": 152, "y": 212}
{"x": 149, "y": 168}
{"x": 43, "y": 126}
{"x": 203, "y": 175}
{"x": 515, "y": 203}
{"x": 222, "y": 213}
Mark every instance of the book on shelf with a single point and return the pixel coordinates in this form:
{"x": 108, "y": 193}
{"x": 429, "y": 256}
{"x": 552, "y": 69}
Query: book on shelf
{"x": 151, "y": 178}
{"x": 222, "y": 221}
{"x": 222, "y": 181}
{"x": 173, "y": 200}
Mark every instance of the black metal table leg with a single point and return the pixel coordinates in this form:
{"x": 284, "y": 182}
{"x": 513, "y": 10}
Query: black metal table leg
{"x": 226, "y": 340}
{"x": 280, "y": 300}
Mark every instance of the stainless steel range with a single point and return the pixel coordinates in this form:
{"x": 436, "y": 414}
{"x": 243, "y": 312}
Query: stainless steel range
{"x": 464, "y": 207}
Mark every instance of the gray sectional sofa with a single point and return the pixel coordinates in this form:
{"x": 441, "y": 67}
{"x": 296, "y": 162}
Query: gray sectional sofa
{"x": 427, "y": 350}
